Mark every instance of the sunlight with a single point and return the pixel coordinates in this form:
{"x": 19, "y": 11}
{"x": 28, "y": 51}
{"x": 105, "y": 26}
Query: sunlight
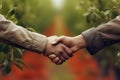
{"x": 58, "y": 4}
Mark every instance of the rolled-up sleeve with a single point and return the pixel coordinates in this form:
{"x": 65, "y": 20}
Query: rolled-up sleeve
{"x": 102, "y": 36}
{"x": 21, "y": 37}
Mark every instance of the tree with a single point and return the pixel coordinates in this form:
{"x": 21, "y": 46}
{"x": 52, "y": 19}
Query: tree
{"x": 81, "y": 15}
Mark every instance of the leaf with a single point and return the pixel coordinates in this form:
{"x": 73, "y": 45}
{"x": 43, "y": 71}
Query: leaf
{"x": 18, "y": 60}
{"x": 118, "y": 1}
{"x": 118, "y": 54}
{"x": 107, "y": 12}
{"x": 93, "y": 17}
{"x": 31, "y": 29}
{"x": 100, "y": 13}
{"x": 20, "y": 51}
{"x": 5, "y": 49}
{"x": 17, "y": 53}
{"x": 11, "y": 54}
{"x": 18, "y": 65}
{"x": 11, "y": 12}
{"x": 1, "y": 6}
{"x": 2, "y": 58}
{"x": 6, "y": 67}
{"x": 88, "y": 18}
{"x": 13, "y": 18}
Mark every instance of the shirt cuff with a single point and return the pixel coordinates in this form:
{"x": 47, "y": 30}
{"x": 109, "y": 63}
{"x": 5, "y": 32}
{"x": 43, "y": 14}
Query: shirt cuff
{"x": 93, "y": 40}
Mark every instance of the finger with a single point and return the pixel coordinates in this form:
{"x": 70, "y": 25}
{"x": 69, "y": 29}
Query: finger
{"x": 55, "y": 60}
{"x": 64, "y": 55}
{"x": 62, "y": 59}
{"x": 60, "y": 54}
{"x": 59, "y": 62}
{"x": 68, "y": 51}
{"x": 57, "y": 40}
{"x": 52, "y": 56}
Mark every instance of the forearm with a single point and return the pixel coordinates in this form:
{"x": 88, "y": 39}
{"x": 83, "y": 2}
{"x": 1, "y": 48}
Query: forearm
{"x": 102, "y": 36}
{"x": 21, "y": 37}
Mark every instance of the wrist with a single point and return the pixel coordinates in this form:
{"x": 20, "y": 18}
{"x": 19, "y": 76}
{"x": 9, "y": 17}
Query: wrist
{"x": 45, "y": 48}
{"x": 81, "y": 41}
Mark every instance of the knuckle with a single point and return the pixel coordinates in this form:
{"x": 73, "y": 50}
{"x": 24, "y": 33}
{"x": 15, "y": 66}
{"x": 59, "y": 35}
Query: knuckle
{"x": 62, "y": 37}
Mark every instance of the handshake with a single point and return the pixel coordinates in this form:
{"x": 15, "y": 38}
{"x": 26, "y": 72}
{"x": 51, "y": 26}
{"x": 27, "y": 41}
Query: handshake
{"x": 60, "y": 49}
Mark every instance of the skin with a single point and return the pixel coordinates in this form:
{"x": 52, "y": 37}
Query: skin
{"x": 57, "y": 53}
{"x": 74, "y": 43}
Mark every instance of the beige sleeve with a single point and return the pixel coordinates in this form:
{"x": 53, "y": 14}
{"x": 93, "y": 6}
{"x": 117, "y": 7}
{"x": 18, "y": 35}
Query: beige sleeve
{"x": 21, "y": 37}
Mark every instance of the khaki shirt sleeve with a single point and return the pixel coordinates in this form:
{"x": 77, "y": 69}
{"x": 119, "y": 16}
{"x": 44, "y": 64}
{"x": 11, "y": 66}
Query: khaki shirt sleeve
{"x": 102, "y": 36}
{"x": 21, "y": 37}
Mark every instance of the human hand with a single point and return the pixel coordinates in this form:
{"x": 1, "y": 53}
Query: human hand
{"x": 74, "y": 43}
{"x": 58, "y": 53}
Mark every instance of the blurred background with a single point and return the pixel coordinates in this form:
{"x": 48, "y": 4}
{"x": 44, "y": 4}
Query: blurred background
{"x": 60, "y": 17}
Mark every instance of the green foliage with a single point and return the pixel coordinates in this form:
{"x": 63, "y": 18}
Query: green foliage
{"x": 99, "y": 14}
{"x": 9, "y": 54}
{"x": 35, "y": 13}
{"x": 81, "y": 15}
{"x": 23, "y": 12}
{"x": 6, "y": 67}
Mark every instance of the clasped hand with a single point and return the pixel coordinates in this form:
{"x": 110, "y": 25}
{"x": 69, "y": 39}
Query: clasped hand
{"x": 60, "y": 49}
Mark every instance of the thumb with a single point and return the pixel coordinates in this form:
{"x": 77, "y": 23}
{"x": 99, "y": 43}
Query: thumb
{"x": 57, "y": 40}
